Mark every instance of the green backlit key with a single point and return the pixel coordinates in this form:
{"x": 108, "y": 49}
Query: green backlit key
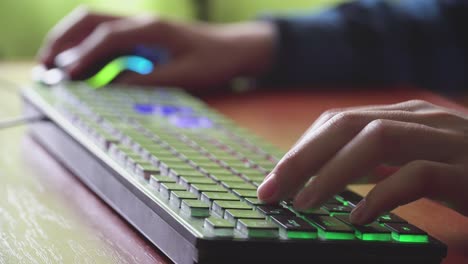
{"x": 294, "y": 227}
{"x": 187, "y": 180}
{"x": 218, "y": 227}
{"x": 331, "y": 228}
{"x": 254, "y": 201}
{"x": 199, "y": 188}
{"x": 144, "y": 170}
{"x": 156, "y": 180}
{"x": 407, "y": 233}
{"x": 165, "y": 188}
{"x": 391, "y": 218}
{"x": 245, "y": 193}
{"x": 176, "y": 197}
{"x": 371, "y": 232}
{"x": 219, "y": 206}
{"x": 186, "y": 172}
{"x": 233, "y": 214}
{"x": 209, "y": 197}
{"x": 337, "y": 208}
{"x": 274, "y": 210}
{"x": 257, "y": 228}
{"x": 195, "y": 208}
{"x": 227, "y": 178}
{"x": 239, "y": 185}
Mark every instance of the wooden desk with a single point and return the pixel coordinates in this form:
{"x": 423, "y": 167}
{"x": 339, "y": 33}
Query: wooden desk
{"x": 48, "y": 215}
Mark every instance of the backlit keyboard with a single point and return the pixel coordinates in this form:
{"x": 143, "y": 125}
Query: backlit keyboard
{"x": 186, "y": 177}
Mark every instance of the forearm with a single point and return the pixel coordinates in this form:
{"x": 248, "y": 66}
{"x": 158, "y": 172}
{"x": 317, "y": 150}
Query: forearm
{"x": 417, "y": 42}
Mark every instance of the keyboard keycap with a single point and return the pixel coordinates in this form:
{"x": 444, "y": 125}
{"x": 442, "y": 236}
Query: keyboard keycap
{"x": 407, "y": 233}
{"x": 219, "y": 227}
{"x": 218, "y": 207}
{"x": 257, "y": 228}
{"x": 195, "y": 208}
{"x": 331, "y": 228}
{"x": 391, "y": 218}
{"x": 209, "y": 197}
{"x": 176, "y": 197}
{"x": 274, "y": 210}
{"x": 371, "y": 232}
{"x": 337, "y": 209}
{"x": 245, "y": 193}
{"x": 294, "y": 227}
{"x": 233, "y": 214}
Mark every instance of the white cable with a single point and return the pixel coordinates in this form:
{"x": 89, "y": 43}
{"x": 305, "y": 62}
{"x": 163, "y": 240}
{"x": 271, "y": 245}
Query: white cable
{"x": 16, "y": 121}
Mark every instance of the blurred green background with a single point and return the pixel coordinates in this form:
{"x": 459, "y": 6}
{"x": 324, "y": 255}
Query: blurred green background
{"x": 24, "y": 23}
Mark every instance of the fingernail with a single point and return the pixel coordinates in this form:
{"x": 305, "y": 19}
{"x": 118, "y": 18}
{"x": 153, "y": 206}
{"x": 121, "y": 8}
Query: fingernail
{"x": 358, "y": 215}
{"x": 267, "y": 190}
{"x": 66, "y": 58}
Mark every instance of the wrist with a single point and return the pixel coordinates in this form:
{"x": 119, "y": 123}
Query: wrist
{"x": 252, "y": 45}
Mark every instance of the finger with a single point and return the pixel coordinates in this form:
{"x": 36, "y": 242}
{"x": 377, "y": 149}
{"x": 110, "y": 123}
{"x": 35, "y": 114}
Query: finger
{"x": 417, "y": 179}
{"x": 304, "y": 159}
{"x": 381, "y": 141}
{"x": 409, "y": 106}
{"x": 379, "y": 173}
{"x": 70, "y": 32}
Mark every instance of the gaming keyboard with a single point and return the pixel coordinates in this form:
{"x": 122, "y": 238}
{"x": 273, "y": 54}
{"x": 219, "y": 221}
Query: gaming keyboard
{"x": 186, "y": 177}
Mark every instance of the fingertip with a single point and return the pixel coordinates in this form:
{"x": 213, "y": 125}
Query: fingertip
{"x": 268, "y": 190}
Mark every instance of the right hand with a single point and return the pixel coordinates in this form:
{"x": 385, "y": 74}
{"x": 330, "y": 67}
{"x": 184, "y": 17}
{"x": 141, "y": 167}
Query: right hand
{"x": 202, "y": 55}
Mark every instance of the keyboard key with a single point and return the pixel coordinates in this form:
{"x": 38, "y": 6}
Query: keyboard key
{"x": 165, "y": 188}
{"x": 198, "y": 188}
{"x": 219, "y": 227}
{"x": 219, "y": 206}
{"x": 187, "y": 180}
{"x": 331, "y": 228}
{"x": 245, "y": 193}
{"x": 391, "y": 218}
{"x": 256, "y": 228}
{"x": 294, "y": 227}
{"x": 239, "y": 185}
{"x": 407, "y": 233}
{"x": 371, "y": 232}
{"x": 254, "y": 201}
{"x": 274, "y": 210}
{"x": 337, "y": 209}
{"x": 349, "y": 197}
{"x": 209, "y": 197}
{"x": 156, "y": 180}
{"x": 195, "y": 208}
{"x": 144, "y": 170}
{"x": 233, "y": 214}
{"x": 176, "y": 197}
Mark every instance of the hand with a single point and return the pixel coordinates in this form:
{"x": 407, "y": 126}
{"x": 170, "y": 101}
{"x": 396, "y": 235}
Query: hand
{"x": 427, "y": 143}
{"x": 201, "y": 54}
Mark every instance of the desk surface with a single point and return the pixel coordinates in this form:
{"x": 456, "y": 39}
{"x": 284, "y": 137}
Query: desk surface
{"x": 47, "y": 215}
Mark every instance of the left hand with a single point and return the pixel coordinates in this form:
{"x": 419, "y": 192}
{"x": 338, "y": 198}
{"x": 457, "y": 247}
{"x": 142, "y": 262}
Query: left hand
{"x": 427, "y": 143}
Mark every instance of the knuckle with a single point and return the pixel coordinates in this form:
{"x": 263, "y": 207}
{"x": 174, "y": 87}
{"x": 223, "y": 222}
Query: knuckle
{"x": 346, "y": 119}
{"x": 417, "y": 102}
{"x": 378, "y": 131}
{"x": 328, "y": 114}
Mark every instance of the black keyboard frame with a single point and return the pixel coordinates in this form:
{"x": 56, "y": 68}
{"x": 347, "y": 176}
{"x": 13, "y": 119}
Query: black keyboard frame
{"x": 68, "y": 146}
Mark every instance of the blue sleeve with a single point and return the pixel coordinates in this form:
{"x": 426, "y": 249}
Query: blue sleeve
{"x": 417, "y": 42}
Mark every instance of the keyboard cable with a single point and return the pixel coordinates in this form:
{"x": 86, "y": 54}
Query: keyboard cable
{"x": 18, "y": 120}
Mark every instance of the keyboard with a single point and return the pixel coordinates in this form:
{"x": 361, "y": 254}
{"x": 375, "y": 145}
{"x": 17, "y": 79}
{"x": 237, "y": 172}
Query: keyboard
{"x": 185, "y": 177}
